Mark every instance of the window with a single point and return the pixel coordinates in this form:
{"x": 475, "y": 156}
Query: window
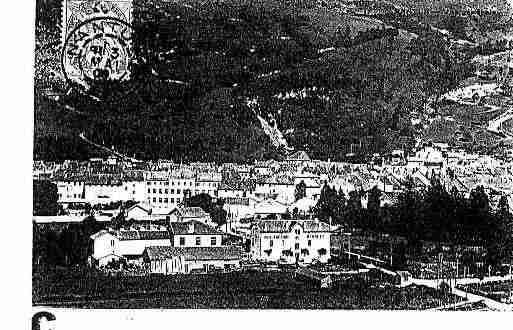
{"x": 160, "y": 191}
{"x": 212, "y": 241}
{"x": 198, "y": 241}
{"x": 112, "y": 243}
{"x": 165, "y": 200}
{"x": 154, "y": 190}
{"x": 182, "y": 241}
{"x": 309, "y": 242}
{"x": 154, "y": 200}
{"x": 271, "y": 243}
{"x": 160, "y": 200}
{"x": 172, "y": 200}
{"x": 296, "y": 246}
{"x": 149, "y": 183}
{"x": 166, "y": 191}
{"x": 172, "y": 191}
{"x": 177, "y": 191}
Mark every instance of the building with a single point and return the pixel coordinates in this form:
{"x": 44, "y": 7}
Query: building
{"x": 269, "y": 208}
{"x": 290, "y": 241}
{"x": 129, "y": 245}
{"x": 185, "y": 214}
{"x": 194, "y": 234}
{"x": 183, "y": 260}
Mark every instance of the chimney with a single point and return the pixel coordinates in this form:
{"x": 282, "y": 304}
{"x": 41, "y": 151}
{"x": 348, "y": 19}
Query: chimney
{"x": 191, "y": 227}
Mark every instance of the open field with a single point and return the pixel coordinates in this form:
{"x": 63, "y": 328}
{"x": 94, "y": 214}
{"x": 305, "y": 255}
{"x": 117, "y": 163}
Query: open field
{"x": 270, "y": 290}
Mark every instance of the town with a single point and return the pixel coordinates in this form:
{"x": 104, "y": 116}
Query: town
{"x": 321, "y": 222}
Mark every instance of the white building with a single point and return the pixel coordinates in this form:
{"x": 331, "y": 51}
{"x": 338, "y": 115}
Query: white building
{"x": 185, "y": 214}
{"x": 184, "y": 260}
{"x": 290, "y": 241}
{"x": 195, "y": 234}
{"x": 111, "y": 245}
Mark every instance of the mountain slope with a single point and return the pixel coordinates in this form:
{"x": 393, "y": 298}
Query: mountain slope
{"x": 326, "y": 80}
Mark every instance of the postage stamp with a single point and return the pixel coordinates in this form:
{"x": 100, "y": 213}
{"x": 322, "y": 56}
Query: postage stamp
{"x": 75, "y": 12}
{"x": 96, "y": 40}
{"x": 97, "y": 49}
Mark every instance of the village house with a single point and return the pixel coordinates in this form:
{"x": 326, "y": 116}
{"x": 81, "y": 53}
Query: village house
{"x": 128, "y": 245}
{"x": 183, "y": 260}
{"x": 194, "y": 234}
{"x": 185, "y": 214}
{"x": 290, "y": 241}
{"x": 269, "y": 208}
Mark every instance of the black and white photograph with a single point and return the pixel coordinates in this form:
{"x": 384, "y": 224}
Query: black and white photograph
{"x": 278, "y": 155}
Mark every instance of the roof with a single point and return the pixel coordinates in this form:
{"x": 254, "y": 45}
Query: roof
{"x": 132, "y": 235}
{"x": 299, "y": 156}
{"x": 194, "y": 253}
{"x": 285, "y": 226}
{"x": 182, "y": 228}
{"x": 270, "y": 206}
{"x": 190, "y": 212}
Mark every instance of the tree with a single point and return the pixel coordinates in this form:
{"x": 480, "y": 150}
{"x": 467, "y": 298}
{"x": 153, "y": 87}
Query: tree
{"x": 287, "y": 215}
{"x": 500, "y": 242}
{"x": 218, "y": 215}
{"x": 328, "y": 206}
{"x": 300, "y": 191}
{"x": 201, "y": 200}
{"x": 118, "y": 221}
{"x": 374, "y": 201}
{"x": 45, "y": 198}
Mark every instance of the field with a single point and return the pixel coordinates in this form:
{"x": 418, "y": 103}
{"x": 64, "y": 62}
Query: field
{"x": 248, "y": 290}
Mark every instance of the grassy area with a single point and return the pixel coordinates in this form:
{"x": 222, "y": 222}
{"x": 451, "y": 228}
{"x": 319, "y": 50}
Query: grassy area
{"x": 271, "y": 290}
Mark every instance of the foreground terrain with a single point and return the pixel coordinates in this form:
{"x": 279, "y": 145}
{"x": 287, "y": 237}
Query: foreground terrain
{"x": 268, "y": 290}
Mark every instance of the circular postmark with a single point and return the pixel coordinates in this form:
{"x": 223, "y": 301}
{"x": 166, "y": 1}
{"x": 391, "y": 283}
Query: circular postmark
{"x": 96, "y": 51}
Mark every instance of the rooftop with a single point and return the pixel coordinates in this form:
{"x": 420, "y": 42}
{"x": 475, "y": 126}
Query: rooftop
{"x": 285, "y": 226}
{"x": 194, "y": 253}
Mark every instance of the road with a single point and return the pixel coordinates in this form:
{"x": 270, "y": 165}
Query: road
{"x": 470, "y": 297}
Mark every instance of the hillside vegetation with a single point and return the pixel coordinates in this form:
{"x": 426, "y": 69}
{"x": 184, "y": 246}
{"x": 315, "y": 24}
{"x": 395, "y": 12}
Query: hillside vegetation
{"x": 204, "y": 71}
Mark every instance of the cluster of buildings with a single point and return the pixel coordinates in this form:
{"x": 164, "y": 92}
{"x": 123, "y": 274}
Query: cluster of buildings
{"x": 268, "y": 203}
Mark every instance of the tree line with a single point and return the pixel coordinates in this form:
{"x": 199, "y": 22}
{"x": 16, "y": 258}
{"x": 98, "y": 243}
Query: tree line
{"x": 434, "y": 215}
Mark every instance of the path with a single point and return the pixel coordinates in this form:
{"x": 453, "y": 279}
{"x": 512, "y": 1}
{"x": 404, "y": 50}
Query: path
{"x": 470, "y": 297}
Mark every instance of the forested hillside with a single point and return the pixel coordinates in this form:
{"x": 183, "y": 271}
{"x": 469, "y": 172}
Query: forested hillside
{"x": 204, "y": 71}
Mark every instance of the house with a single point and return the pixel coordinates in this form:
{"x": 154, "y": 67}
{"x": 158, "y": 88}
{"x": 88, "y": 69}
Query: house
{"x": 184, "y": 260}
{"x": 129, "y": 245}
{"x": 185, "y": 214}
{"x": 194, "y": 234}
{"x": 270, "y": 208}
{"x": 300, "y": 157}
{"x": 138, "y": 212}
{"x": 290, "y": 241}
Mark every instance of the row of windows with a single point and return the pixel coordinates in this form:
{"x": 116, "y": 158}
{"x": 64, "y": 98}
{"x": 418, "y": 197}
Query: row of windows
{"x": 185, "y": 184}
{"x": 166, "y": 191}
{"x": 296, "y": 246}
{"x": 166, "y": 183}
{"x": 276, "y": 236}
{"x": 166, "y": 200}
{"x": 316, "y": 236}
{"x": 179, "y": 191}
{"x": 213, "y": 241}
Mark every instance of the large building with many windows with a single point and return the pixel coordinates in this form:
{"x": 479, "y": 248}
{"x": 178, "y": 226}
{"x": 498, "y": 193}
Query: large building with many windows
{"x": 290, "y": 241}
